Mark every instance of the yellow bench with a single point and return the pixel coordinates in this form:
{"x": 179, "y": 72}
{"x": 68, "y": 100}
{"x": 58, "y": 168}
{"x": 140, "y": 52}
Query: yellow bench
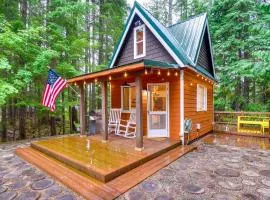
{"x": 263, "y": 122}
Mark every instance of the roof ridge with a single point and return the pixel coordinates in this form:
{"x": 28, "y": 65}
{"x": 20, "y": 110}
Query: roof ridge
{"x": 136, "y": 2}
{"x": 165, "y": 28}
{"x": 192, "y": 17}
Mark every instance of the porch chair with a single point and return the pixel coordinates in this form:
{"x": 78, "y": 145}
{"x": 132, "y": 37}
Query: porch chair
{"x": 127, "y": 128}
{"x": 114, "y": 120}
{"x": 187, "y": 128}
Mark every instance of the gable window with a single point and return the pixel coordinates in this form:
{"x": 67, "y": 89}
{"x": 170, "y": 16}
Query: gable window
{"x": 139, "y": 41}
{"x": 201, "y": 98}
{"x": 128, "y": 98}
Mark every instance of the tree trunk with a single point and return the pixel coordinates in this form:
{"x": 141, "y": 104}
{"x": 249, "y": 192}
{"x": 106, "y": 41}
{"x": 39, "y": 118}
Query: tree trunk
{"x": 101, "y": 33}
{"x": 22, "y": 123}
{"x": 24, "y": 9}
{"x": 254, "y": 92}
{"x": 237, "y": 94}
{"x": 63, "y": 114}
{"x": 246, "y": 90}
{"x": 52, "y": 126}
{"x": 92, "y": 96}
{"x": 4, "y": 124}
{"x": 87, "y": 61}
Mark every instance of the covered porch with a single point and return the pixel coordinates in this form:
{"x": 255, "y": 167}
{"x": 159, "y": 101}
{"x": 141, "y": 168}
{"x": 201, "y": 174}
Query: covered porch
{"x": 155, "y": 98}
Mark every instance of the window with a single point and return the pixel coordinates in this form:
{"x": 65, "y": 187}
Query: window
{"x": 128, "y": 98}
{"x": 139, "y": 41}
{"x": 201, "y": 98}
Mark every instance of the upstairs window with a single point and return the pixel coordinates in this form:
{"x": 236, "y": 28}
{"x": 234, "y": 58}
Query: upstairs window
{"x": 128, "y": 98}
{"x": 139, "y": 41}
{"x": 201, "y": 98}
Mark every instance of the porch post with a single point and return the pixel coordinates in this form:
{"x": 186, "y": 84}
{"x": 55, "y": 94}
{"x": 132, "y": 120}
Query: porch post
{"x": 104, "y": 111}
{"x": 82, "y": 110}
{"x": 139, "y": 121}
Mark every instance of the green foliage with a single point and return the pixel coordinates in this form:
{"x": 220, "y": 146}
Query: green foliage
{"x": 254, "y": 107}
{"x": 241, "y": 51}
{"x": 57, "y": 36}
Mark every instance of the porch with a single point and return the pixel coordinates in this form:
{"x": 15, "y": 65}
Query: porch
{"x": 103, "y": 161}
{"x": 153, "y": 93}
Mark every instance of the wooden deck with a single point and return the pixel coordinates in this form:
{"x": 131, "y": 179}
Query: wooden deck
{"x": 102, "y": 161}
{"x": 91, "y": 188}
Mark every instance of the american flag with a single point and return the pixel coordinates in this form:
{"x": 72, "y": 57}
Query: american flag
{"x": 53, "y": 87}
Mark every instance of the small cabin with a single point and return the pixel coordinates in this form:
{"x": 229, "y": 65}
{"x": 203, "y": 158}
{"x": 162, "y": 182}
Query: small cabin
{"x": 165, "y": 75}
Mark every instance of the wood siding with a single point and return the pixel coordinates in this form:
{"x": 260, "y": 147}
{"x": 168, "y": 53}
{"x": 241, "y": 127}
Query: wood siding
{"x": 154, "y": 49}
{"x": 174, "y": 99}
{"x": 204, "y": 118}
{"x": 204, "y": 58}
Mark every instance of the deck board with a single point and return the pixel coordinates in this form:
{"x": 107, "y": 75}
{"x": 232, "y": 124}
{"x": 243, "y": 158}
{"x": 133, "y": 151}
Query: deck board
{"x": 103, "y": 161}
{"x": 91, "y": 188}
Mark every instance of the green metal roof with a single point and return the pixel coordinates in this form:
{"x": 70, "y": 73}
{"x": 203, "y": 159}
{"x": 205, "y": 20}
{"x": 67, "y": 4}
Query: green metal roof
{"x": 165, "y": 34}
{"x": 189, "y": 34}
{"x": 154, "y": 63}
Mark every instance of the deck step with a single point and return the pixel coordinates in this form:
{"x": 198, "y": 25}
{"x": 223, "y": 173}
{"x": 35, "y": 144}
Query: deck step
{"x": 91, "y": 188}
{"x": 84, "y": 185}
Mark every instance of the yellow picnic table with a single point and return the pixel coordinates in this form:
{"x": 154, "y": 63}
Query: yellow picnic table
{"x": 263, "y": 122}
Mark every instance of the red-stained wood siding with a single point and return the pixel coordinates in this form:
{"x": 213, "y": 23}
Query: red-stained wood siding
{"x": 204, "y": 118}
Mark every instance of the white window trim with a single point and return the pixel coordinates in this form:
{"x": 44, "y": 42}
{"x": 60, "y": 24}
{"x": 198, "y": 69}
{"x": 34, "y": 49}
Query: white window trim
{"x": 129, "y": 99}
{"x": 204, "y": 96}
{"x": 135, "y": 42}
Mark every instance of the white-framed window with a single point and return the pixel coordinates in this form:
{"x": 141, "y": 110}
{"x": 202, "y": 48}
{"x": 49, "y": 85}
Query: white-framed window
{"x": 139, "y": 41}
{"x": 201, "y": 98}
{"x": 128, "y": 98}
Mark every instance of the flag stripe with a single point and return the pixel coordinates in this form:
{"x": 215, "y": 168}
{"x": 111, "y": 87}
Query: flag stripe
{"x": 57, "y": 91}
{"x": 47, "y": 89}
{"x": 54, "y": 89}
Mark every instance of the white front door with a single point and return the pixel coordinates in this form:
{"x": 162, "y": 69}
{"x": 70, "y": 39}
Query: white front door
{"x": 158, "y": 109}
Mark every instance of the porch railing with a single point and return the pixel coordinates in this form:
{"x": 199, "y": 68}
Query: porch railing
{"x": 250, "y": 123}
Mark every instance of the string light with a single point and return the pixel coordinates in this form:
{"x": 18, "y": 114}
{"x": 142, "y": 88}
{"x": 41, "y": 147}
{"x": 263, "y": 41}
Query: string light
{"x": 95, "y": 79}
{"x": 198, "y": 75}
{"x": 145, "y": 72}
{"x": 84, "y": 82}
{"x": 176, "y": 73}
{"x": 191, "y": 84}
{"x": 125, "y": 74}
{"x": 168, "y": 73}
{"x": 110, "y": 77}
{"x": 158, "y": 72}
{"x": 75, "y": 83}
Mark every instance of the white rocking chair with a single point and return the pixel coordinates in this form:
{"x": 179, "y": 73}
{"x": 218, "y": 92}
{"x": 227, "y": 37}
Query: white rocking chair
{"x": 114, "y": 120}
{"x": 128, "y": 128}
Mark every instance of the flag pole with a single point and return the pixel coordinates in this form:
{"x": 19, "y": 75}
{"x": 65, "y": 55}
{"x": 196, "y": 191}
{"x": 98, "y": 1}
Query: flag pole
{"x": 73, "y": 90}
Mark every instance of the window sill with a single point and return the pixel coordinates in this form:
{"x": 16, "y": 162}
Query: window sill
{"x": 139, "y": 56}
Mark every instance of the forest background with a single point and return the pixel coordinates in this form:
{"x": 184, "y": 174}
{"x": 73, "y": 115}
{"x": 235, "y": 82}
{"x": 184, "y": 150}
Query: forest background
{"x": 78, "y": 36}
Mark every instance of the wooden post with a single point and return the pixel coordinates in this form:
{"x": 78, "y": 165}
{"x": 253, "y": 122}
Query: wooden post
{"x": 139, "y": 120}
{"x": 104, "y": 111}
{"x": 82, "y": 110}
